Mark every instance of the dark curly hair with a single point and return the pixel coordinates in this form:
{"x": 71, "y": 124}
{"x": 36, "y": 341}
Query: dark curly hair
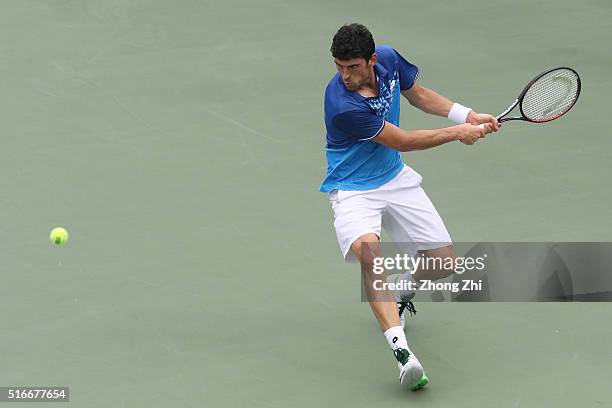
{"x": 352, "y": 41}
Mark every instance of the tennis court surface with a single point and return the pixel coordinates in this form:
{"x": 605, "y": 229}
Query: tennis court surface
{"x": 182, "y": 145}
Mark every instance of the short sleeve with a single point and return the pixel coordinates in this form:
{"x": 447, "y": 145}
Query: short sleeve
{"x": 408, "y": 73}
{"x": 362, "y": 125}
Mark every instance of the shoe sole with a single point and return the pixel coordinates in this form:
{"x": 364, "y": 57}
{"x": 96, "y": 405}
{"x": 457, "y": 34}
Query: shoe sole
{"x": 420, "y": 383}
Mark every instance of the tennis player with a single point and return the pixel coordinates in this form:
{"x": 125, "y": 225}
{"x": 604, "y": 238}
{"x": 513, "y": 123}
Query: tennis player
{"x": 368, "y": 184}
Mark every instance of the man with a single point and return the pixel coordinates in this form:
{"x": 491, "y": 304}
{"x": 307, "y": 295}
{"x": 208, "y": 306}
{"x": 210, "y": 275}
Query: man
{"x": 368, "y": 184}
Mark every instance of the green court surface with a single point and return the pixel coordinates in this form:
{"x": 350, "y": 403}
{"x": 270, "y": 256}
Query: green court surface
{"x": 182, "y": 146}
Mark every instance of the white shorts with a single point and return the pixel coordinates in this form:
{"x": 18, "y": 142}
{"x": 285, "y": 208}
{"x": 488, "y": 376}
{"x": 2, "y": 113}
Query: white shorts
{"x": 400, "y": 206}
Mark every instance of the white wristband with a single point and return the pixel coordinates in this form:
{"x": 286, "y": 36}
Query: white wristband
{"x": 459, "y": 113}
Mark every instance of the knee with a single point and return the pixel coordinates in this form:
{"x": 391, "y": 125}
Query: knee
{"x": 367, "y": 249}
{"x": 369, "y": 263}
{"x": 441, "y": 262}
{"x": 448, "y": 253}
{"x": 367, "y": 260}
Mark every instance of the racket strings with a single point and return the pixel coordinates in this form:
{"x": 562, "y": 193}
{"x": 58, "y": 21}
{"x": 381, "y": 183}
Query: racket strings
{"x": 551, "y": 95}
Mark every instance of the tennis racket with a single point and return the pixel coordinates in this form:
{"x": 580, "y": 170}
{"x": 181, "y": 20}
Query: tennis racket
{"x": 548, "y": 96}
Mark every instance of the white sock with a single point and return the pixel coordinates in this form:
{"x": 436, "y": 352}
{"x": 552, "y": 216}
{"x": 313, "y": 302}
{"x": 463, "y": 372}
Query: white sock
{"x": 396, "y": 338}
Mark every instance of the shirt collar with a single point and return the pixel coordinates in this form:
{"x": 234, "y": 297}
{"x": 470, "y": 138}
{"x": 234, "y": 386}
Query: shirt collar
{"x": 380, "y": 70}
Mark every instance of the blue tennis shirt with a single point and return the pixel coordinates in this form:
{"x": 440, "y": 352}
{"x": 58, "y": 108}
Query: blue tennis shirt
{"x": 354, "y": 162}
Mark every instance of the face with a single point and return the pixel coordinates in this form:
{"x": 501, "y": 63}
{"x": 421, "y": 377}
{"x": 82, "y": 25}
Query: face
{"x": 355, "y": 72}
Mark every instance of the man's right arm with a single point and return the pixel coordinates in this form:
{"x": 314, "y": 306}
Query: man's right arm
{"x": 404, "y": 141}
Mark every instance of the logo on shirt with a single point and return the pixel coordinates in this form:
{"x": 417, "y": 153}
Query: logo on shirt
{"x": 381, "y": 105}
{"x": 392, "y": 85}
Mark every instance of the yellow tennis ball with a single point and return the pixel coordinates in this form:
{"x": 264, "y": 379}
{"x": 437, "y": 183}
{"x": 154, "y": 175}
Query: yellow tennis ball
{"x": 59, "y": 236}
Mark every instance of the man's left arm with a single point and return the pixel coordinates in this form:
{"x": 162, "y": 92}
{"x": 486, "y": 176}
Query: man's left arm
{"x": 433, "y": 103}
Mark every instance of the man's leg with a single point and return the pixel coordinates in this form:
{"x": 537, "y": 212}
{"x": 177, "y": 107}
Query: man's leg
{"x": 438, "y": 264}
{"x": 366, "y": 249}
{"x": 358, "y": 214}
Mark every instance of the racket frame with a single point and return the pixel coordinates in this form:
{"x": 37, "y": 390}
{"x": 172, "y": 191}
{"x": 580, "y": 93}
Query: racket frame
{"x": 519, "y": 100}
